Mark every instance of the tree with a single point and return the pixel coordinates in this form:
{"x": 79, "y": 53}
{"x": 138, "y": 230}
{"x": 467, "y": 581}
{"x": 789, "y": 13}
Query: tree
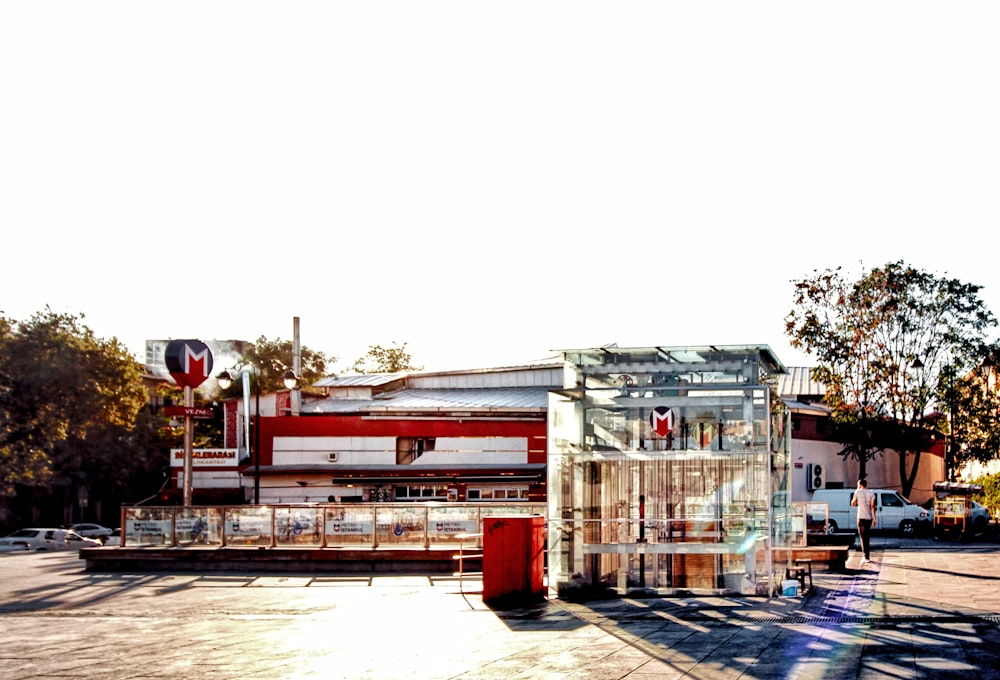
{"x": 274, "y": 359}
{"x": 990, "y": 497}
{"x": 380, "y": 359}
{"x": 972, "y": 403}
{"x": 886, "y": 343}
{"x": 61, "y": 388}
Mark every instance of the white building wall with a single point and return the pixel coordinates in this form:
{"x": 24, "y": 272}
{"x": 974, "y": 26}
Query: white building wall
{"x": 350, "y": 450}
{"x": 476, "y": 450}
{"x": 382, "y": 451}
{"x": 882, "y": 471}
{"x": 211, "y": 479}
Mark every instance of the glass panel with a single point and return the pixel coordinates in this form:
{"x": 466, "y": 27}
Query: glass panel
{"x": 251, "y": 525}
{"x": 817, "y": 518}
{"x": 298, "y": 525}
{"x": 148, "y": 526}
{"x": 400, "y": 525}
{"x": 350, "y": 525}
{"x": 445, "y": 522}
{"x": 198, "y": 526}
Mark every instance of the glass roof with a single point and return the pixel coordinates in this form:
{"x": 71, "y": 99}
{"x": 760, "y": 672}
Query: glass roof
{"x": 690, "y": 355}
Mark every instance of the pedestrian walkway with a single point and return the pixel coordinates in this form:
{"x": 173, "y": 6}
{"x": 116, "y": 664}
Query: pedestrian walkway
{"x": 921, "y": 609}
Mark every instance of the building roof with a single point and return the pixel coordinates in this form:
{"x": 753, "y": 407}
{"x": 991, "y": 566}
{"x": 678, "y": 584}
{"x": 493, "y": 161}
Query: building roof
{"x": 695, "y": 354}
{"x": 439, "y": 400}
{"x": 798, "y": 382}
{"x": 358, "y": 380}
{"x": 806, "y": 407}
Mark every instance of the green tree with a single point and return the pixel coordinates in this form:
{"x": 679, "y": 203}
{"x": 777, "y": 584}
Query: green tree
{"x": 380, "y": 359}
{"x": 885, "y": 343}
{"x": 990, "y": 497}
{"x": 972, "y": 403}
{"x": 61, "y": 389}
{"x": 274, "y": 358}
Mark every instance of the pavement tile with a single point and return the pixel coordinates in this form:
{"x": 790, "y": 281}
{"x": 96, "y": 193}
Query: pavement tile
{"x": 927, "y": 610}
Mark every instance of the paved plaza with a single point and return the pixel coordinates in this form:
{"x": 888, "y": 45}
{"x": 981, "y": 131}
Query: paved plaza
{"x": 924, "y": 609}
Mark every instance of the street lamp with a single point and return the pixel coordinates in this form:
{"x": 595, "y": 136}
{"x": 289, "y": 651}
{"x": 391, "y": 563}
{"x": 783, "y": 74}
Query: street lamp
{"x": 225, "y": 380}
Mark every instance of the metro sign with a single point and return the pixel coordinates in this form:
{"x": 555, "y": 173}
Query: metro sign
{"x": 189, "y": 362}
{"x": 661, "y": 419}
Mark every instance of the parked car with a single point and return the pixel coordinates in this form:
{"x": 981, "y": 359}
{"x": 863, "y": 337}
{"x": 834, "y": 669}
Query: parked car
{"x": 10, "y": 544}
{"x": 980, "y": 517}
{"x": 91, "y": 530}
{"x": 45, "y": 539}
{"x": 893, "y": 512}
{"x": 115, "y": 539}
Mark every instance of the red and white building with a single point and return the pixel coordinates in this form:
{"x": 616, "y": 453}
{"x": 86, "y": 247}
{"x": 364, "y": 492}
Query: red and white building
{"x": 476, "y": 435}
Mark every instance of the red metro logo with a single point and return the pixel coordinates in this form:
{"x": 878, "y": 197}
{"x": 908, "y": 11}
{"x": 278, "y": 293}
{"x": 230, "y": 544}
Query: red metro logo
{"x": 189, "y": 362}
{"x": 661, "y": 419}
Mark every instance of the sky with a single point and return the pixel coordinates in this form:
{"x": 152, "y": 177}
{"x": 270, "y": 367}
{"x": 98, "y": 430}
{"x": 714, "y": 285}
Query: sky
{"x": 487, "y": 183}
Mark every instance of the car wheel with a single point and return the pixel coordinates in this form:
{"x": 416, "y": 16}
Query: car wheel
{"x": 908, "y": 527}
{"x": 832, "y": 528}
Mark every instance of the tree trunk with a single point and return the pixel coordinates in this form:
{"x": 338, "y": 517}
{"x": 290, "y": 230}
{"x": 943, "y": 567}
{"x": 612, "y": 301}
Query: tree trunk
{"x": 907, "y": 479}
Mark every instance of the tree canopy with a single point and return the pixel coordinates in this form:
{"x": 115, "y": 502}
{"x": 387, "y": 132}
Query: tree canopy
{"x": 60, "y": 387}
{"x": 380, "y": 359}
{"x": 888, "y": 345}
{"x": 273, "y": 358}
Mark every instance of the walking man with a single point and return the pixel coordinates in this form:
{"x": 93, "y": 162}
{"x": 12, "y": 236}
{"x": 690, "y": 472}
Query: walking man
{"x": 865, "y": 501}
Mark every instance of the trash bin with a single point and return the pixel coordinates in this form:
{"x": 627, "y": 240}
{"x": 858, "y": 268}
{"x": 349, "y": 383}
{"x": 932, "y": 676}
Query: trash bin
{"x": 513, "y": 558}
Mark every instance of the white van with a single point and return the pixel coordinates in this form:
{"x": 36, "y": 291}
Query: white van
{"x": 893, "y": 512}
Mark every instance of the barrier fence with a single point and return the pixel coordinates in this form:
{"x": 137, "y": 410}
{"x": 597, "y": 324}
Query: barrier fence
{"x": 363, "y": 525}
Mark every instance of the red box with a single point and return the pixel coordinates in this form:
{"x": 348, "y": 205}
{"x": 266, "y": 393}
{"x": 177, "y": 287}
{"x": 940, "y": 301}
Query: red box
{"x": 513, "y": 558}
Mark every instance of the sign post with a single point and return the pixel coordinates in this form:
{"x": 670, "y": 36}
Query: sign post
{"x": 190, "y": 364}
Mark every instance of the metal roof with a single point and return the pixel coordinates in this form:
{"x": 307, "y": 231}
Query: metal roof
{"x": 359, "y": 380}
{"x": 799, "y": 382}
{"x": 466, "y": 399}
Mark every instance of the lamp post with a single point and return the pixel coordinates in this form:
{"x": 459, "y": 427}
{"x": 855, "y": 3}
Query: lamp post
{"x": 291, "y": 382}
{"x": 225, "y": 381}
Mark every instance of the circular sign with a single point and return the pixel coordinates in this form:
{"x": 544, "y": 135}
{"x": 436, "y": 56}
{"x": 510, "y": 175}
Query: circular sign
{"x": 188, "y": 361}
{"x": 661, "y": 419}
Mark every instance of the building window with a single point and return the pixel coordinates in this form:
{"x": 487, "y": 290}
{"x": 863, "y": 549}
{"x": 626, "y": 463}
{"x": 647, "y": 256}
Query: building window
{"x": 493, "y": 493}
{"x": 408, "y": 449}
{"x": 421, "y": 492}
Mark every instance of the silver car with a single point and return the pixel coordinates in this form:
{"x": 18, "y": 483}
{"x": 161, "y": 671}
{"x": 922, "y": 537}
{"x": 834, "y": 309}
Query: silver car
{"x": 34, "y": 538}
{"x": 91, "y": 530}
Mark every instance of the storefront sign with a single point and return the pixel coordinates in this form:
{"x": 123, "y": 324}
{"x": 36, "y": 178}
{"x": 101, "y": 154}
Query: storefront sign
{"x": 206, "y": 458}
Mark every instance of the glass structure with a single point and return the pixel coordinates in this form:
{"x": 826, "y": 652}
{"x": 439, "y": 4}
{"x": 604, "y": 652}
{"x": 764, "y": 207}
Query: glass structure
{"x": 668, "y": 470}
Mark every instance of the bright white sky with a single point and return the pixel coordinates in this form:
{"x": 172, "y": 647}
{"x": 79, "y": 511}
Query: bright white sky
{"x": 486, "y": 182}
